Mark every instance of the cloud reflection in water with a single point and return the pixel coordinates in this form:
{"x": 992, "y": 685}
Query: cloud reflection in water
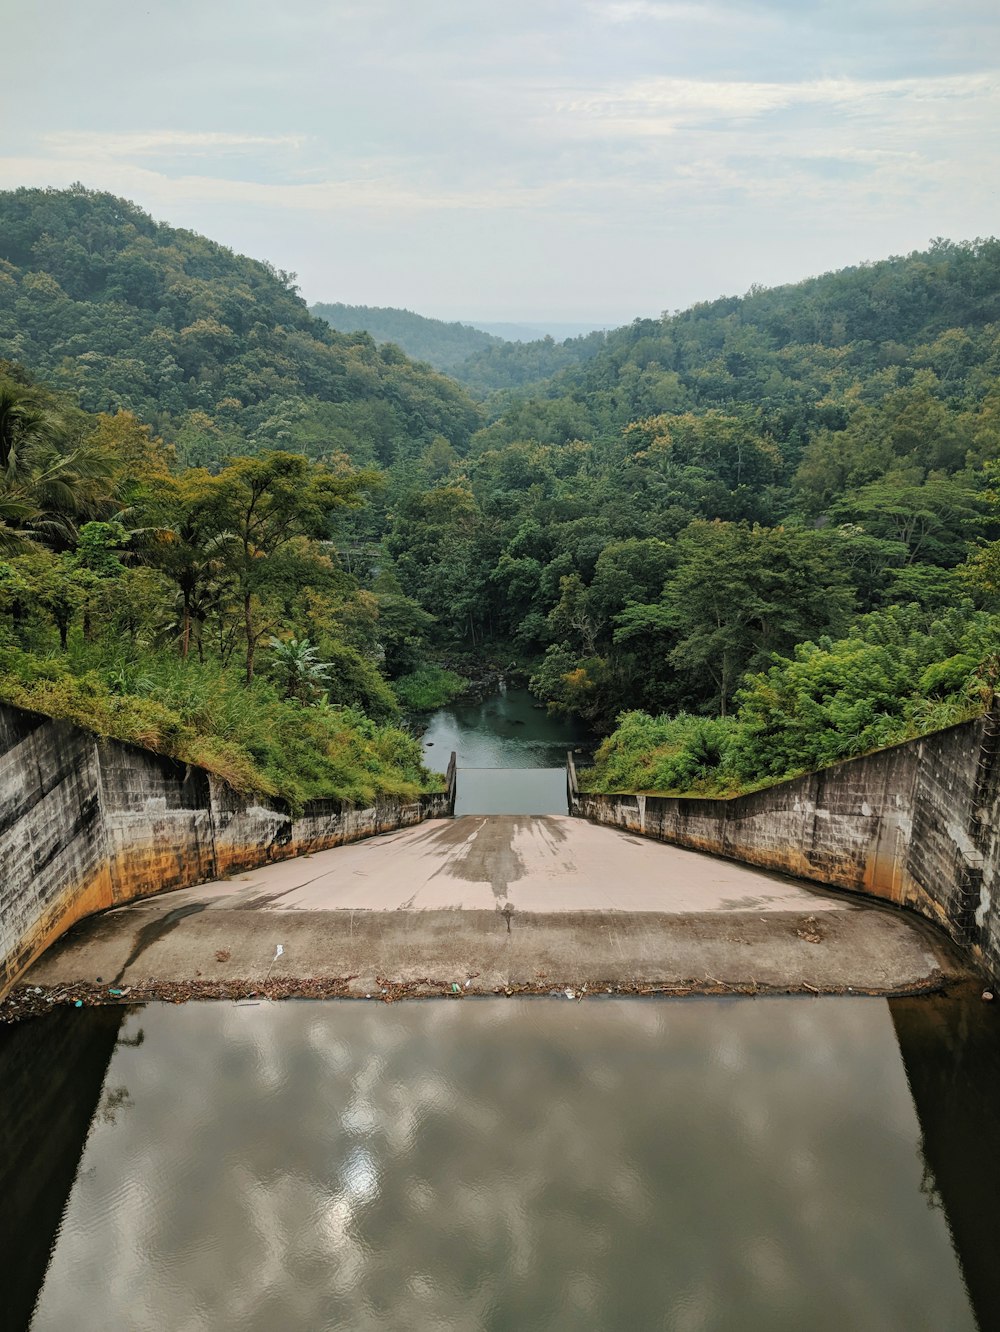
{"x": 506, "y": 1165}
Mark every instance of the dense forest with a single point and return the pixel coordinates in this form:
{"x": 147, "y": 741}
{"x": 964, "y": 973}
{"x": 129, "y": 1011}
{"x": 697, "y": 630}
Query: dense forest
{"x": 442, "y": 345}
{"x": 740, "y": 541}
{"x": 214, "y": 350}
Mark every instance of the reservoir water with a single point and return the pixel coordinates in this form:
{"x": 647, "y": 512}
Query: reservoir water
{"x": 702, "y": 1165}
{"x": 503, "y": 1164}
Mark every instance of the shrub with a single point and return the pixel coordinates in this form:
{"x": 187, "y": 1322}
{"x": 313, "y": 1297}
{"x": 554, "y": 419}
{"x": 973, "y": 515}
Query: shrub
{"x": 200, "y": 713}
{"x": 429, "y": 687}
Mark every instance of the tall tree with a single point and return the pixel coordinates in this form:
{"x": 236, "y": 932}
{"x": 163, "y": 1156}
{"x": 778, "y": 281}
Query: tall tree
{"x": 262, "y": 506}
{"x": 741, "y": 593}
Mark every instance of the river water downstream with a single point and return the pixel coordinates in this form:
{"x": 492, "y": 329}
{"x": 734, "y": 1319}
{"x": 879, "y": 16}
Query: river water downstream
{"x": 700, "y": 1165}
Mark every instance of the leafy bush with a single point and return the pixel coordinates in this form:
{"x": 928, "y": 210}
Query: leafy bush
{"x": 429, "y": 687}
{"x": 645, "y": 753}
{"x": 897, "y": 675}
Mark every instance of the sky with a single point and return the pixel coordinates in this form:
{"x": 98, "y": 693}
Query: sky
{"x": 588, "y": 160}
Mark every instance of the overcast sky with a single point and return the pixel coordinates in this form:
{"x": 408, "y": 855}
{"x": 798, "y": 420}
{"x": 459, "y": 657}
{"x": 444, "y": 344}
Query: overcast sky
{"x": 531, "y": 159}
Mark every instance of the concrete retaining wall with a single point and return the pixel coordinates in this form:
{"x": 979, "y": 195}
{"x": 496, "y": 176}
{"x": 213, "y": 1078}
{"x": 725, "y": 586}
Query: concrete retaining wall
{"x": 916, "y": 824}
{"x": 87, "y": 824}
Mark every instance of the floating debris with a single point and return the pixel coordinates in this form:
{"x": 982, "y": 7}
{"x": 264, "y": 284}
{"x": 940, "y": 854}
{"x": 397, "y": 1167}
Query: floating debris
{"x": 26, "y": 1001}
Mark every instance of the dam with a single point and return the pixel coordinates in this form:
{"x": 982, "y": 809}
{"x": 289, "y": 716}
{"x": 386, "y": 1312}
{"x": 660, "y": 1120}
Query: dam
{"x": 560, "y": 1153}
{"x": 497, "y": 903}
{"x": 414, "y": 900}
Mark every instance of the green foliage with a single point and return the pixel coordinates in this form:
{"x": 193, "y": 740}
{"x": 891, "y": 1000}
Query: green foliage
{"x": 573, "y": 685}
{"x": 429, "y": 687}
{"x": 217, "y": 349}
{"x": 145, "y": 626}
{"x": 252, "y": 738}
{"x": 898, "y": 674}
{"x": 741, "y": 593}
{"x": 50, "y": 474}
{"x": 500, "y": 366}
{"x": 682, "y": 754}
{"x": 685, "y": 515}
{"x": 297, "y": 669}
{"x": 894, "y": 676}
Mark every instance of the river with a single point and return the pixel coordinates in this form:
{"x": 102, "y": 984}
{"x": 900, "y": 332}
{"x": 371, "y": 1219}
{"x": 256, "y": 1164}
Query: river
{"x": 702, "y": 1165}
{"x": 511, "y": 753}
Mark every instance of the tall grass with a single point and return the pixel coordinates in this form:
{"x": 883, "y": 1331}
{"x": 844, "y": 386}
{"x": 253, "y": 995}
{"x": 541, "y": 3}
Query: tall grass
{"x": 429, "y": 687}
{"x": 202, "y": 713}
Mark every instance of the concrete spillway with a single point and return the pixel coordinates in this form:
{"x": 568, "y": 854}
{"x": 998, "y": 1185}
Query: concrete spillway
{"x": 480, "y": 904}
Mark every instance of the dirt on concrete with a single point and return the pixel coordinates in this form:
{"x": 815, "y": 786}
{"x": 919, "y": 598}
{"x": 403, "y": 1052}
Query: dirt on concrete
{"x": 31, "y": 1001}
{"x": 236, "y": 954}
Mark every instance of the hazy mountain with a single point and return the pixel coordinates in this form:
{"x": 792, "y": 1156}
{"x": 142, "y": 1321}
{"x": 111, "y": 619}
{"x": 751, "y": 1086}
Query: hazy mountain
{"x": 556, "y": 329}
{"x": 440, "y": 344}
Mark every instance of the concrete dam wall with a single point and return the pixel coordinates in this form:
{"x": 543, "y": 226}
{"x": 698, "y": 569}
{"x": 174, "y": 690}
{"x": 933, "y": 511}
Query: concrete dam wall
{"x": 915, "y": 824}
{"x": 87, "y": 824}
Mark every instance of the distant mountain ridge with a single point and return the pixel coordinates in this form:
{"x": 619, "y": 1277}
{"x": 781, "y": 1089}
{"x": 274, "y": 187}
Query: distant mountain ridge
{"x": 442, "y": 345}
{"x": 534, "y": 331}
{"x": 484, "y": 358}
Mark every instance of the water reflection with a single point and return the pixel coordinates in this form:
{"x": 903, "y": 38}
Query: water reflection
{"x": 52, "y": 1073}
{"x": 748, "y": 1164}
{"x": 950, "y": 1045}
{"x": 506, "y": 731}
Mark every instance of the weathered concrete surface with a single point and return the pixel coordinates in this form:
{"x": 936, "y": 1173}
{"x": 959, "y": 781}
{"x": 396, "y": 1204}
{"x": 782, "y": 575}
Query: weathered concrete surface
{"x": 585, "y": 905}
{"x": 917, "y": 824}
{"x": 87, "y": 824}
{"x": 536, "y": 862}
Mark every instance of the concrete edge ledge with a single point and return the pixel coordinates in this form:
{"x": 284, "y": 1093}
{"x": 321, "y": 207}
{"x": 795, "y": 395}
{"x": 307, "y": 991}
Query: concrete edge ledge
{"x": 25, "y": 1001}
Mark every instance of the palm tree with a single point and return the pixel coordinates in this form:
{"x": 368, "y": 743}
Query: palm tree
{"x": 48, "y": 479}
{"x": 299, "y": 669}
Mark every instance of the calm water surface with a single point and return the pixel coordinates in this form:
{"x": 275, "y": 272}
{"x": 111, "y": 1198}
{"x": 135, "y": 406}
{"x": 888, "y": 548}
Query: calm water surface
{"x": 511, "y": 732}
{"x": 504, "y": 1164}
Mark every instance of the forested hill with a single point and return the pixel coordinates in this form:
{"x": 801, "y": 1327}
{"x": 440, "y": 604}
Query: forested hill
{"x": 214, "y": 349}
{"x": 442, "y": 345}
{"x": 773, "y": 521}
{"x": 788, "y": 352}
{"x": 782, "y": 506}
{"x": 483, "y": 363}
{"x": 775, "y": 347}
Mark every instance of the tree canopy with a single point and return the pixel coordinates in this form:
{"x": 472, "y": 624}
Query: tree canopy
{"x": 767, "y": 525}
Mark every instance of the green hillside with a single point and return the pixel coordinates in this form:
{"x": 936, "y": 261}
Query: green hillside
{"x": 787, "y": 350}
{"x": 442, "y": 345}
{"x": 759, "y": 534}
{"x": 513, "y": 360}
{"x": 217, "y": 350}
{"x": 781, "y": 505}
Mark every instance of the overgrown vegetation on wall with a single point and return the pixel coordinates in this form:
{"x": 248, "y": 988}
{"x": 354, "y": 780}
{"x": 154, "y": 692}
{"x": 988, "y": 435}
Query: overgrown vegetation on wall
{"x": 204, "y": 615}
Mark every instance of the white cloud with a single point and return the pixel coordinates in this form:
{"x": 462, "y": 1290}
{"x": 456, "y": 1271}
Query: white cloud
{"x": 163, "y": 143}
{"x": 376, "y": 193}
{"x": 542, "y": 157}
{"x": 665, "y": 105}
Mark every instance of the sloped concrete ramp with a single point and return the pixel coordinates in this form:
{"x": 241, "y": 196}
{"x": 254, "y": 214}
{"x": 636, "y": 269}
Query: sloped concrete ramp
{"x": 480, "y": 904}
